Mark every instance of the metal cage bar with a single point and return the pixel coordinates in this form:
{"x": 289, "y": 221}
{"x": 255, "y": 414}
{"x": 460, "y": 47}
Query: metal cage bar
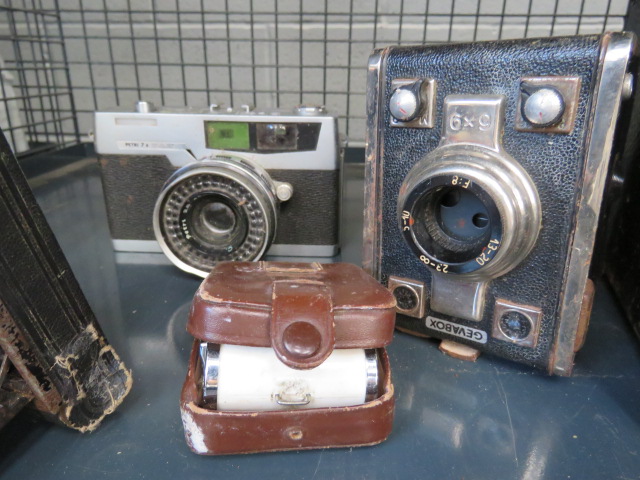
{"x": 271, "y": 54}
{"x": 37, "y": 109}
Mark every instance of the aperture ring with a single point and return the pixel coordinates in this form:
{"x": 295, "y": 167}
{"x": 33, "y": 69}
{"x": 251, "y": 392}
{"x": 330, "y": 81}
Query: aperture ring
{"x": 436, "y": 248}
{"x": 250, "y": 195}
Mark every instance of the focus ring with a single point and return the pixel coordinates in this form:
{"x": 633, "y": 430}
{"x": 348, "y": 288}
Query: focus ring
{"x": 176, "y": 233}
{"x": 247, "y": 194}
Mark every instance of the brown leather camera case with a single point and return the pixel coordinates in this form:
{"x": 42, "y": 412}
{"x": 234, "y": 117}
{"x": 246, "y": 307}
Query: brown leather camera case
{"x": 303, "y": 311}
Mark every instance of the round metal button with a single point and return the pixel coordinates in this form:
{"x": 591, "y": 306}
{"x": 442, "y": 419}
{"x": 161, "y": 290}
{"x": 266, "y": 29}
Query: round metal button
{"x": 284, "y": 191}
{"x": 301, "y": 339}
{"x": 144, "y": 107}
{"x": 544, "y": 107}
{"x": 404, "y": 104}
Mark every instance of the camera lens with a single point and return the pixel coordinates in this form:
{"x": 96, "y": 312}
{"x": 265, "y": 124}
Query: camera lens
{"x": 455, "y": 224}
{"x": 469, "y": 212}
{"x": 217, "y": 217}
{"x": 215, "y": 210}
{"x": 461, "y": 215}
{"x": 216, "y": 222}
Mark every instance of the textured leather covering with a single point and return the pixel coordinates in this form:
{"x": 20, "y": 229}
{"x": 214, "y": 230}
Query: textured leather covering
{"x": 47, "y": 328}
{"x": 131, "y": 187}
{"x": 554, "y": 162}
{"x": 235, "y": 303}
{"x": 312, "y": 216}
{"x": 213, "y": 432}
{"x": 132, "y": 184}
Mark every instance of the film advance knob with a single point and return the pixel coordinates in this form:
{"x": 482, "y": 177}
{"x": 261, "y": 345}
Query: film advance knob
{"x": 405, "y": 103}
{"x": 543, "y": 107}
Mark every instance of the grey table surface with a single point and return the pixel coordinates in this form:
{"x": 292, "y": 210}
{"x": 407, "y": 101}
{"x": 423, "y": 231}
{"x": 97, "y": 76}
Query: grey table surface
{"x": 454, "y": 420}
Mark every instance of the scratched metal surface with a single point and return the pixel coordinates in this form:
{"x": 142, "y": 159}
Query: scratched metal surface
{"x": 490, "y": 419}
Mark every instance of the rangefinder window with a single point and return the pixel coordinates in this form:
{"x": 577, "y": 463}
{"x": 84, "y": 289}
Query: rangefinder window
{"x": 228, "y": 135}
{"x": 262, "y": 137}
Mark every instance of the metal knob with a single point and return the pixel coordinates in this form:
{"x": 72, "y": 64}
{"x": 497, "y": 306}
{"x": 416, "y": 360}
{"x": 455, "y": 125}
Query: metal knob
{"x": 543, "y": 107}
{"x": 404, "y": 104}
{"x": 144, "y": 107}
{"x": 284, "y": 191}
{"x": 309, "y": 110}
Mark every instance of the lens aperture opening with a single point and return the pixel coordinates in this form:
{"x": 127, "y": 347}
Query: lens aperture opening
{"x": 218, "y": 217}
{"x": 214, "y": 222}
{"x": 461, "y": 215}
{"x": 454, "y": 226}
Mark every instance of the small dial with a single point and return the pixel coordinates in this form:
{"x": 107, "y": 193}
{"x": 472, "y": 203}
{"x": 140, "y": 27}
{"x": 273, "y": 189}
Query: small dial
{"x": 543, "y": 107}
{"x": 404, "y": 104}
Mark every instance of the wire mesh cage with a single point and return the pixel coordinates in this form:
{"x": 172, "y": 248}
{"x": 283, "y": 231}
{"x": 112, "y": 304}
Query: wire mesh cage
{"x": 267, "y": 53}
{"x": 36, "y": 102}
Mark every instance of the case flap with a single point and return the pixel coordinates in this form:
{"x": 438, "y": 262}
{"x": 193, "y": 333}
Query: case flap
{"x": 234, "y": 304}
{"x": 302, "y": 332}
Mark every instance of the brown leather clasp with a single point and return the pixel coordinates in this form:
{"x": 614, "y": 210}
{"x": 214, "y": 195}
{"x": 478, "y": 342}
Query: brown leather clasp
{"x": 302, "y": 329}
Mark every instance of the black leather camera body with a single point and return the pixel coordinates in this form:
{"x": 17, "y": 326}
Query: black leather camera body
{"x": 53, "y": 352}
{"x": 205, "y": 186}
{"x": 486, "y": 169}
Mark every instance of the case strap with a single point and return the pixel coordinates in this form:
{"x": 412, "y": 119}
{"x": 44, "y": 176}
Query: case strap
{"x": 302, "y": 331}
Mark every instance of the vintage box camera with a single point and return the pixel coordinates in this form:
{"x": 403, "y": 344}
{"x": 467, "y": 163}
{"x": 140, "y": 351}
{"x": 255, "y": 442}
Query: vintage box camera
{"x": 486, "y": 168}
{"x": 288, "y": 356}
{"x": 220, "y": 184}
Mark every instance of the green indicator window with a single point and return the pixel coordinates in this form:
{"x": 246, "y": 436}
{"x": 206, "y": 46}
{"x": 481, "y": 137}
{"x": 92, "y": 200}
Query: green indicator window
{"x": 227, "y": 135}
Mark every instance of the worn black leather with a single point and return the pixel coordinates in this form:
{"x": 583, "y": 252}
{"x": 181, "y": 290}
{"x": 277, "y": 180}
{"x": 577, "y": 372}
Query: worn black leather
{"x": 554, "y": 162}
{"x": 132, "y": 185}
{"x": 47, "y": 328}
{"x": 311, "y": 217}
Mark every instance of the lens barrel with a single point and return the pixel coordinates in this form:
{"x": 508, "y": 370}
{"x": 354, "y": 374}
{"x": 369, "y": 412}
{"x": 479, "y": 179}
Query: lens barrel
{"x": 220, "y": 209}
{"x": 468, "y": 210}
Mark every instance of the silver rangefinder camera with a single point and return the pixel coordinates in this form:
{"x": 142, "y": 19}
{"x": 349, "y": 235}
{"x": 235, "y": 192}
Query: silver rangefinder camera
{"x": 219, "y": 184}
